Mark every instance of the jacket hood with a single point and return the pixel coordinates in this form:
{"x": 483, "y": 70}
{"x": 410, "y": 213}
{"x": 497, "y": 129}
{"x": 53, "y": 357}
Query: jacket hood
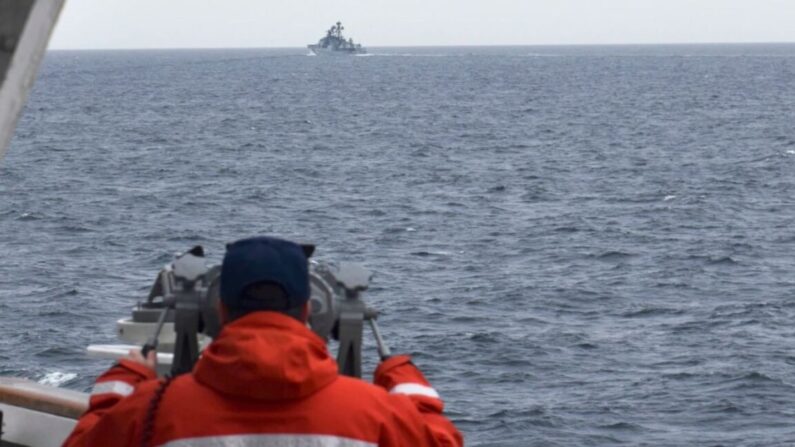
{"x": 266, "y": 355}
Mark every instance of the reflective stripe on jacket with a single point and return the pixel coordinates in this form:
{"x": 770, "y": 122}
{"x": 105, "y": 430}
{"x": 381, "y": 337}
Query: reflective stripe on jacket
{"x": 268, "y": 381}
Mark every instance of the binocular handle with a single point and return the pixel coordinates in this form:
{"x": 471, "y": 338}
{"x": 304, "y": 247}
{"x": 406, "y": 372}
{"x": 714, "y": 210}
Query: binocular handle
{"x": 383, "y": 349}
{"x": 151, "y": 344}
{"x": 147, "y": 348}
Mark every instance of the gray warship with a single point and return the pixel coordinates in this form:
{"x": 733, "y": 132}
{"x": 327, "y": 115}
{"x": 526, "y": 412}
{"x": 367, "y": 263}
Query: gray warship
{"x": 335, "y": 44}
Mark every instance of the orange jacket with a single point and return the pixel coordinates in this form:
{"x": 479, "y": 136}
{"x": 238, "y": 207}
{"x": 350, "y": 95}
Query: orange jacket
{"x": 267, "y": 380}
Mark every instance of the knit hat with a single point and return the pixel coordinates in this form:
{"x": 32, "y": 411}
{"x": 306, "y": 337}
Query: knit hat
{"x": 265, "y": 259}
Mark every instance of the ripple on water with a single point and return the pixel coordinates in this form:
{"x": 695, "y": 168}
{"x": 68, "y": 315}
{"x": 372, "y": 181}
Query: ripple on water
{"x": 593, "y": 248}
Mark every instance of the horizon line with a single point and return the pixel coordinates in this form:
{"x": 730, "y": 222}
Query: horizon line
{"x": 438, "y": 46}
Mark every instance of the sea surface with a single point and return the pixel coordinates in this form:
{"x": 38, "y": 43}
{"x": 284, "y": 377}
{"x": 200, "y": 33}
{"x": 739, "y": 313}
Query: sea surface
{"x": 581, "y": 246}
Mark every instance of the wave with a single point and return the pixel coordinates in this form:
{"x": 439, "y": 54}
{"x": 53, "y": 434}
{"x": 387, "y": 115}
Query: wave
{"x": 57, "y": 378}
{"x": 614, "y": 255}
{"x": 424, "y": 253}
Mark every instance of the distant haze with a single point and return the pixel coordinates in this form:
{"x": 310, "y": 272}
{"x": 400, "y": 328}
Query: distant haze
{"x": 271, "y": 23}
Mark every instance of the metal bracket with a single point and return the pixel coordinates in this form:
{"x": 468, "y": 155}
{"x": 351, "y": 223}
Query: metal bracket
{"x": 186, "y": 326}
{"x": 350, "y": 329}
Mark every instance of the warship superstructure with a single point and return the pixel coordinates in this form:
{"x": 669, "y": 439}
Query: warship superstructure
{"x": 334, "y": 43}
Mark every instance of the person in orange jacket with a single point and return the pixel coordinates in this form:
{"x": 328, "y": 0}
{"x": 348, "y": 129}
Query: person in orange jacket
{"x": 266, "y": 380}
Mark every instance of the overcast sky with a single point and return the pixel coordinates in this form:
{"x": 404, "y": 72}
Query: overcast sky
{"x": 294, "y": 23}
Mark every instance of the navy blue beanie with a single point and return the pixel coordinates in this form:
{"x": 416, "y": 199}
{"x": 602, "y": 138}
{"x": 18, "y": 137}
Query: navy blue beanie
{"x": 264, "y": 259}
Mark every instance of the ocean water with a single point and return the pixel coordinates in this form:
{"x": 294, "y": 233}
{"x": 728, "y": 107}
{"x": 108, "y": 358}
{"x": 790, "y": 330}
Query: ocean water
{"x": 581, "y": 246}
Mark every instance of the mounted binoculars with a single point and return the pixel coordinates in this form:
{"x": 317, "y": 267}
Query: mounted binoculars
{"x": 185, "y": 295}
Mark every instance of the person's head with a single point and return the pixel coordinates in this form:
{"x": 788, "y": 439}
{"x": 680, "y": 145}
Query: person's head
{"x": 265, "y": 274}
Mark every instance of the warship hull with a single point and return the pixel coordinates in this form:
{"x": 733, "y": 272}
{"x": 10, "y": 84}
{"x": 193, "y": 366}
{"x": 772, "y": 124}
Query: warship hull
{"x": 317, "y": 50}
